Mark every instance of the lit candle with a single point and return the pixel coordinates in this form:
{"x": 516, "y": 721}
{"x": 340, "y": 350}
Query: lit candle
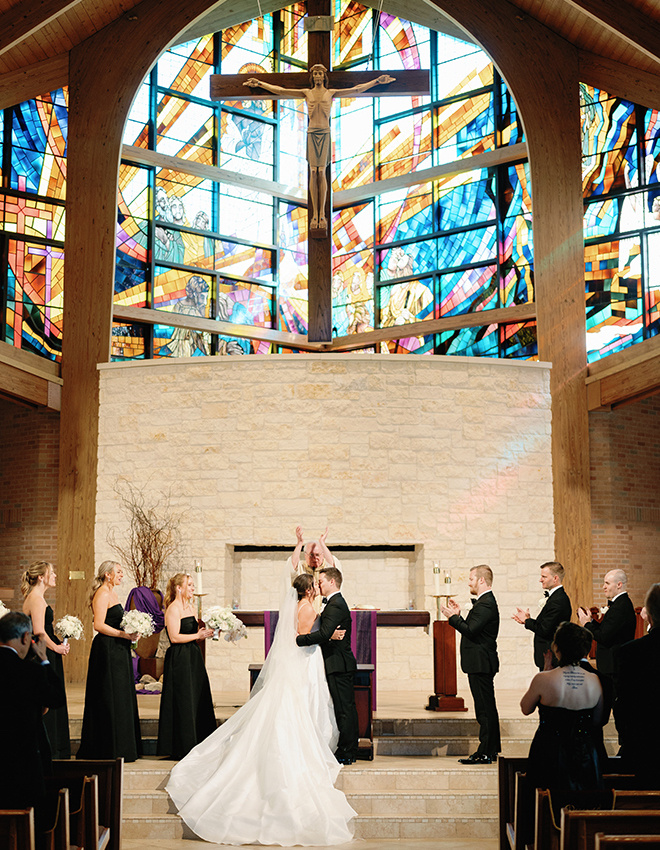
{"x": 198, "y": 577}
{"x": 436, "y": 579}
{"x": 447, "y": 578}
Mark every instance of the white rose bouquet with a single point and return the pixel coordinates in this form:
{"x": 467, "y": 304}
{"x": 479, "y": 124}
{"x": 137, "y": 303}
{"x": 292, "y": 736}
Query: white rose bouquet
{"x": 137, "y": 621}
{"x": 3, "y": 609}
{"x": 68, "y": 627}
{"x": 222, "y": 620}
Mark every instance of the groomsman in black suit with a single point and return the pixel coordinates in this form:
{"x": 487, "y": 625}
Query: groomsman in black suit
{"x": 556, "y": 610}
{"x": 27, "y": 688}
{"x": 340, "y": 664}
{"x": 617, "y": 626}
{"x": 639, "y": 698}
{"x": 479, "y": 659}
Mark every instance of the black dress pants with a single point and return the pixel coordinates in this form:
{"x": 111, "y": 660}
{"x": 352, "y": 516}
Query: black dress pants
{"x": 483, "y": 692}
{"x": 342, "y": 691}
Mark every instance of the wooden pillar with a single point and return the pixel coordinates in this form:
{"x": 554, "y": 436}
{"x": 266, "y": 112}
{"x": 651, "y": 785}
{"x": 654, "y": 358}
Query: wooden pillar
{"x": 541, "y": 71}
{"x": 105, "y": 71}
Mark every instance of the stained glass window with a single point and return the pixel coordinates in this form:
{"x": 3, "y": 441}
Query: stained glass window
{"x": 224, "y": 245}
{"x": 620, "y": 170}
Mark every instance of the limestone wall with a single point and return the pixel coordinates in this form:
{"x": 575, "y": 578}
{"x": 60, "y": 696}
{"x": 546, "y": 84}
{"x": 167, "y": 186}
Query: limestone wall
{"x": 447, "y": 456}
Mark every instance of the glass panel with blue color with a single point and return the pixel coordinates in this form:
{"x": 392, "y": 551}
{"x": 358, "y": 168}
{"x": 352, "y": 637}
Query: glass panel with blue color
{"x": 621, "y": 156}
{"x": 34, "y": 298}
{"x": 39, "y": 130}
{"x": 129, "y": 342}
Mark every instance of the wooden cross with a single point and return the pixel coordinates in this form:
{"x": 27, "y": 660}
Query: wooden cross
{"x": 318, "y": 24}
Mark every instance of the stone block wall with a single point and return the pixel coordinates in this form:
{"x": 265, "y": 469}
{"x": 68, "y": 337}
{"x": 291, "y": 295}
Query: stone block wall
{"x": 448, "y": 455}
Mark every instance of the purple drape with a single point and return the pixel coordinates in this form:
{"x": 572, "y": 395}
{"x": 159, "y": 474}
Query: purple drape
{"x": 145, "y": 600}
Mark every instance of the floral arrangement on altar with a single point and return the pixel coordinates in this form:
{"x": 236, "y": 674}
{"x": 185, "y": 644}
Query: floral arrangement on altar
{"x": 222, "y": 620}
{"x": 3, "y": 609}
{"x": 138, "y": 622}
{"x": 68, "y": 627}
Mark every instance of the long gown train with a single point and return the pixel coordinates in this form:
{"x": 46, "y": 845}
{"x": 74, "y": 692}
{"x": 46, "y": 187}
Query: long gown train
{"x": 267, "y": 774}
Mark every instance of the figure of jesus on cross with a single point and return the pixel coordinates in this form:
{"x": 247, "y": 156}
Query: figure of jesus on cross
{"x": 319, "y": 149}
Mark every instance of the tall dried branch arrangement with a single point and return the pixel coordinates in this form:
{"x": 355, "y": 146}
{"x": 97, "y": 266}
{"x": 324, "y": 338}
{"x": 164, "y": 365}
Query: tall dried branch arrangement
{"x": 154, "y": 534}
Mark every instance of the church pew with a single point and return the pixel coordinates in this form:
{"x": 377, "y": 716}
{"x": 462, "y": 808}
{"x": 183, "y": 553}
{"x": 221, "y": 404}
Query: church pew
{"x": 58, "y": 837}
{"x": 619, "y": 842}
{"x": 17, "y": 829}
{"x": 579, "y": 828}
{"x": 507, "y": 767}
{"x": 549, "y": 805}
{"x": 110, "y": 773}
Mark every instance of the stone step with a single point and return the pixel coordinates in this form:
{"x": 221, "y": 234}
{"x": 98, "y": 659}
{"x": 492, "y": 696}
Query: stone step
{"x": 372, "y": 827}
{"x": 439, "y": 726}
{"x": 384, "y": 804}
{"x": 403, "y": 775}
{"x": 457, "y": 746}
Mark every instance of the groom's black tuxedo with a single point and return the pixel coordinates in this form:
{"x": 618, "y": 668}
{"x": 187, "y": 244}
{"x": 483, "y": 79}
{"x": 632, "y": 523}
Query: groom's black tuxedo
{"x": 340, "y": 667}
{"x": 556, "y": 609}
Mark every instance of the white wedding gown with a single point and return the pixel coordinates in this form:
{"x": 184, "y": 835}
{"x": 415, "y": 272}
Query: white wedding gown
{"x": 267, "y": 774}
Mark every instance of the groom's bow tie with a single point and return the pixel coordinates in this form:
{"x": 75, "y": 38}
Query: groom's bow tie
{"x": 323, "y": 600}
{"x": 546, "y": 593}
{"x": 473, "y": 600}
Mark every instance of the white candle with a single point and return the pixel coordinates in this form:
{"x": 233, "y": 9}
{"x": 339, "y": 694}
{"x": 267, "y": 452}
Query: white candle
{"x": 198, "y": 577}
{"x": 436, "y": 579}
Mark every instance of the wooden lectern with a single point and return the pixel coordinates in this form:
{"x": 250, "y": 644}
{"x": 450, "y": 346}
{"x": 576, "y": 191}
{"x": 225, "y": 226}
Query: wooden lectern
{"x": 444, "y": 667}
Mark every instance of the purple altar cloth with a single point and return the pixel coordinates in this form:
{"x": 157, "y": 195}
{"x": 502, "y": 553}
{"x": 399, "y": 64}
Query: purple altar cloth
{"x": 145, "y": 600}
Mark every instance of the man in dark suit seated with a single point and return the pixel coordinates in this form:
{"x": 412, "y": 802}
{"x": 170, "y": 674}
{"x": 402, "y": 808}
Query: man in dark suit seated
{"x": 339, "y": 661}
{"x": 27, "y": 688}
{"x": 638, "y": 703}
{"x": 556, "y": 610}
{"x": 479, "y": 659}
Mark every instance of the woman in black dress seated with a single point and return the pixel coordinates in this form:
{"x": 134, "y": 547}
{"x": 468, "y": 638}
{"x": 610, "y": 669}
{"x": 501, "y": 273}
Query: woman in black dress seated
{"x": 35, "y": 581}
{"x": 564, "y": 752}
{"x": 186, "y": 705}
{"x": 111, "y": 726}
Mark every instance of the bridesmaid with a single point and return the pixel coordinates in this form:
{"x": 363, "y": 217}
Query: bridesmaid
{"x": 186, "y": 705}
{"x": 35, "y": 581}
{"x": 111, "y": 726}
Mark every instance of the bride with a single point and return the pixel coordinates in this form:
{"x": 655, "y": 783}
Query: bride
{"x": 267, "y": 774}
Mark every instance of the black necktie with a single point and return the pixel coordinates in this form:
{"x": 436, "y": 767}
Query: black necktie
{"x": 546, "y": 593}
{"x": 609, "y": 602}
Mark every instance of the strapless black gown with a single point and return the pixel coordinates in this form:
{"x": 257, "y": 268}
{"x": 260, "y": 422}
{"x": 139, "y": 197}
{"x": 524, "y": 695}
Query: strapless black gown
{"x": 56, "y": 720}
{"x": 186, "y": 705}
{"x": 564, "y": 752}
{"x": 111, "y": 726}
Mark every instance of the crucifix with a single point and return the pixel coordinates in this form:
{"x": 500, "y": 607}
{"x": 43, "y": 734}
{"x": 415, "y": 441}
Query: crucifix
{"x": 318, "y": 93}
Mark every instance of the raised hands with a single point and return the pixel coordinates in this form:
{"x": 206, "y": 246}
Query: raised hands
{"x": 521, "y": 615}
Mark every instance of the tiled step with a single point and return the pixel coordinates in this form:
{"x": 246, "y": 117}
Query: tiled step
{"x": 456, "y": 746}
{"x": 384, "y": 804}
{"x": 466, "y": 827}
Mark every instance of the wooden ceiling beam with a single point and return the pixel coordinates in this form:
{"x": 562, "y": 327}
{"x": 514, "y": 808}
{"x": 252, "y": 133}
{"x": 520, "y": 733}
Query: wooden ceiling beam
{"x": 26, "y": 19}
{"x": 620, "y": 80}
{"x": 625, "y": 22}
{"x": 26, "y": 83}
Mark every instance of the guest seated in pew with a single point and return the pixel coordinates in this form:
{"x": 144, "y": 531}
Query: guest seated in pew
{"x": 639, "y": 698}
{"x": 564, "y": 752}
{"x": 27, "y": 689}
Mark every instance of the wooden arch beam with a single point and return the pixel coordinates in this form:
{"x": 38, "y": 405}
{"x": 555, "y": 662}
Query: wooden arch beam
{"x": 541, "y": 71}
{"x": 105, "y": 72}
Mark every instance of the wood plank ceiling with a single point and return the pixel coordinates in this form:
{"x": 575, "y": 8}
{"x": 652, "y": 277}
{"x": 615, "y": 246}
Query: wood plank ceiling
{"x": 627, "y": 31}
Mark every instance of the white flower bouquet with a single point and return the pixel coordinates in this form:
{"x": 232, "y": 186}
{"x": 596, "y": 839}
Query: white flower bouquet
{"x": 68, "y": 627}
{"x": 138, "y": 622}
{"x": 3, "y": 609}
{"x": 222, "y": 620}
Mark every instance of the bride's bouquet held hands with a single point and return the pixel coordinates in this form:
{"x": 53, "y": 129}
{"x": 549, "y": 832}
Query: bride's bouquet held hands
{"x": 204, "y": 634}
{"x": 136, "y": 624}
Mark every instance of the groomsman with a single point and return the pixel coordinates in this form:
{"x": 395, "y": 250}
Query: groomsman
{"x": 339, "y": 661}
{"x": 479, "y": 659}
{"x": 617, "y": 626}
{"x": 556, "y": 610}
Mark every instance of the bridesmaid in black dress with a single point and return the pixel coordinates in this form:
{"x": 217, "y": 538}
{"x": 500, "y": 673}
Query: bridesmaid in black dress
{"x": 111, "y": 726}
{"x": 186, "y": 706}
{"x": 35, "y": 581}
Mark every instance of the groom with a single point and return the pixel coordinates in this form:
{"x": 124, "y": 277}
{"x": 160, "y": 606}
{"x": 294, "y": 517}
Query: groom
{"x": 340, "y": 664}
